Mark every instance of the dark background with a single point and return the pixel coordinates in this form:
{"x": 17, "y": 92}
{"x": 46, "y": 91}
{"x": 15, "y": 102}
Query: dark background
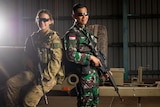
{"x": 133, "y": 29}
{"x": 141, "y": 36}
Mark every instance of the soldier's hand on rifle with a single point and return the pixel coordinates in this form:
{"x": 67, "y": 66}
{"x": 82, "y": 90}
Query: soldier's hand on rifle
{"x": 95, "y": 60}
{"x": 107, "y": 76}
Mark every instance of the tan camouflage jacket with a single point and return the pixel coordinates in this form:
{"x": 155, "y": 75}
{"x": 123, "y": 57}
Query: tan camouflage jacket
{"x": 50, "y": 52}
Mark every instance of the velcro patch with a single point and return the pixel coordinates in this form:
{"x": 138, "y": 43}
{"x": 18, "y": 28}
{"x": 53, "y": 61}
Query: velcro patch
{"x": 55, "y": 45}
{"x": 72, "y": 37}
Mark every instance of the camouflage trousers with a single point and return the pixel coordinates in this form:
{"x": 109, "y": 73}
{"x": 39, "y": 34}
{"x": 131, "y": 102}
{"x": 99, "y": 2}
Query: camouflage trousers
{"x": 88, "y": 90}
{"x": 33, "y": 95}
{"x": 14, "y": 86}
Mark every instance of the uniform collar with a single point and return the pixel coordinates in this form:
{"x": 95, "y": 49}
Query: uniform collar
{"x": 45, "y": 33}
{"x": 80, "y": 27}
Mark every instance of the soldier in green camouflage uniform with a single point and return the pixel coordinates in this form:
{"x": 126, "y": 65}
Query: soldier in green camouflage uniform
{"x": 79, "y": 52}
{"x": 49, "y": 44}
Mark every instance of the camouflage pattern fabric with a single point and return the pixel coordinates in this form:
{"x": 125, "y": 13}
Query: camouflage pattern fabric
{"x": 51, "y": 48}
{"x": 51, "y": 53}
{"x": 14, "y": 85}
{"x": 100, "y": 32}
{"x": 88, "y": 94}
{"x": 77, "y": 47}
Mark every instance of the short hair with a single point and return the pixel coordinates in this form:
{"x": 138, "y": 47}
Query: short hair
{"x": 43, "y": 11}
{"x": 76, "y": 7}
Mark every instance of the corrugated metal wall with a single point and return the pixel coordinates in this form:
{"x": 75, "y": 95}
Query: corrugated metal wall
{"x": 144, "y": 38}
{"x": 143, "y": 27}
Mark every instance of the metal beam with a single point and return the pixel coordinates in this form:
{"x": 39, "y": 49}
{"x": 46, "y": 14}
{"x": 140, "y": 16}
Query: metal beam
{"x": 130, "y": 91}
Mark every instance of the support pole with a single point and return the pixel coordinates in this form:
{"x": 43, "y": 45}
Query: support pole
{"x": 125, "y": 38}
{"x": 139, "y": 102}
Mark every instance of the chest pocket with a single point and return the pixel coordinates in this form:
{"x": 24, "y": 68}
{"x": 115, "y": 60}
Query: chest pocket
{"x": 84, "y": 44}
{"x": 45, "y": 46}
{"x": 45, "y": 54}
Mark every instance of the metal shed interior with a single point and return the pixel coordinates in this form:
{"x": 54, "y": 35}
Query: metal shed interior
{"x": 133, "y": 28}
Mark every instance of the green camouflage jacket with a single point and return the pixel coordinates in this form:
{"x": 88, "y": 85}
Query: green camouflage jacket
{"x": 77, "y": 45}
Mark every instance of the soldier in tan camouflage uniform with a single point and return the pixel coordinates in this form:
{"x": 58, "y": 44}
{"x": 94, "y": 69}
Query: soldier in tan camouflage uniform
{"x": 79, "y": 53}
{"x": 49, "y": 44}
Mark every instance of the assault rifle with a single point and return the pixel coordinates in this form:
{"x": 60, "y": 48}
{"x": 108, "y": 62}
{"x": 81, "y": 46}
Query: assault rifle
{"x": 39, "y": 71}
{"x": 41, "y": 77}
{"x": 103, "y": 69}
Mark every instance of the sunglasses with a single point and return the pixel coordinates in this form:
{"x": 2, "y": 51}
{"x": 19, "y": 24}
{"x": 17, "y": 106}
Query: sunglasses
{"x": 43, "y": 19}
{"x": 82, "y": 14}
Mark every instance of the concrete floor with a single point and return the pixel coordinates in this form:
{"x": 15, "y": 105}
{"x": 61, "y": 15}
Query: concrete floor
{"x": 61, "y": 99}
{"x": 70, "y": 101}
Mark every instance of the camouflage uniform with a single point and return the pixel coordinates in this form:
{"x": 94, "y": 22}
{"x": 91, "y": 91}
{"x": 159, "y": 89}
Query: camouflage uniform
{"x": 78, "y": 51}
{"x": 51, "y": 52}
